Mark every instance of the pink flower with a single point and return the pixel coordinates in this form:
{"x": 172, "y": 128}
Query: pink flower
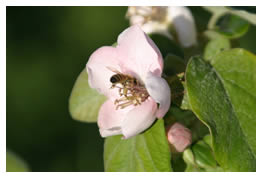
{"x": 132, "y": 109}
{"x": 179, "y": 137}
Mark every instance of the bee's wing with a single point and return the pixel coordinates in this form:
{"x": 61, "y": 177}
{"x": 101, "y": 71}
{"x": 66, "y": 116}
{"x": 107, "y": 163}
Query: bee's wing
{"x": 113, "y": 70}
{"x": 118, "y": 72}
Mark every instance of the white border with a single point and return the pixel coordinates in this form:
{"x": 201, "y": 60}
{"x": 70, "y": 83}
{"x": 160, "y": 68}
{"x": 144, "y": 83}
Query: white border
{"x": 3, "y": 88}
{"x": 258, "y": 89}
{"x": 4, "y": 3}
{"x": 131, "y": 2}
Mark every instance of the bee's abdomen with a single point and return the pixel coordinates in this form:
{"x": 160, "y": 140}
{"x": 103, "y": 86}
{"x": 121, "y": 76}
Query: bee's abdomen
{"x": 116, "y": 78}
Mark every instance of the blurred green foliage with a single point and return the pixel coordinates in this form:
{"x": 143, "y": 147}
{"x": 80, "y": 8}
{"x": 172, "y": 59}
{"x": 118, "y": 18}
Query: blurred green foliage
{"x": 47, "y": 48}
{"x": 14, "y": 163}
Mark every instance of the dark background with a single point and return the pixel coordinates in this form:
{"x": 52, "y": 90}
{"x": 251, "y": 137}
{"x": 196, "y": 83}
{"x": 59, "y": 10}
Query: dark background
{"x": 47, "y": 48}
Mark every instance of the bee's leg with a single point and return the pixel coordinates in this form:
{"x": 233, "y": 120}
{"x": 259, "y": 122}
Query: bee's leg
{"x": 139, "y": 100}
{"x": 124, "y": 99}
{"x": 123, "y": 105}
{"x": 125, "y": 90}
{"x": 113, "y": 86}
{"x": 123, "y": 102}
{"x": 117, "y": 101}
{"x": 120, "y": 91}
{"x": 135, "y": 102}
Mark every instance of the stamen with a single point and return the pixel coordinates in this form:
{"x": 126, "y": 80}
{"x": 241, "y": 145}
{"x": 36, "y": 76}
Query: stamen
{"x": 131, "y": 93}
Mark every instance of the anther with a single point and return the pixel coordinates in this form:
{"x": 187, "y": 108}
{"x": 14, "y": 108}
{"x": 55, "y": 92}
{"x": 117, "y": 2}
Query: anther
{"x": 131, "y": 93}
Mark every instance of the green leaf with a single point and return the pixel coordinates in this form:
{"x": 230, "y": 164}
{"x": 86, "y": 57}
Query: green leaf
{"x": 146, "y": 152}
{"x": 189, "y": 159}
{"x": 185, "y": 103}
{"x": 232, "y": 26}
{"x": 250, "y": 17}
{"x": 223, "y": 96}
{"x": 201, "y": 160}
{"x": 114, "y": 44}
{"x": 200, "y": 157}
{"x": 219, "y": 11}
{"x": 14, "y": 163}
{"x": 204, "y": 157}
{"x": 208, "y": 140}
{"x": 188, "y": 156}
{"x": 215, "y": 46}
{"x": 84, "y": 102}
{"x": 192, "y": 168}
{"x": 212, "y": 34}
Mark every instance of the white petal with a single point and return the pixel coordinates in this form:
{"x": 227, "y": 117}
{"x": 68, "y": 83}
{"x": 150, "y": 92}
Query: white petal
{"x": 139, "y": 119}
{"x": 184, "y": 24}
{"x": 110, "y": 132}
{"x": 159, "y": 90}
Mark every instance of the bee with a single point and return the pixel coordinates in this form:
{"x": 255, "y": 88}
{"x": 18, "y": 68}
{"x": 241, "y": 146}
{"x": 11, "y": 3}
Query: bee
{"x": 128, "y": 82}
{"x": 133, "y": 92}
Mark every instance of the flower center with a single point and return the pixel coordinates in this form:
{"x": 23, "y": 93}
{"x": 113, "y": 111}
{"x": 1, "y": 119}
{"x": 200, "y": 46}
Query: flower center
{"x": 130, "y": 90}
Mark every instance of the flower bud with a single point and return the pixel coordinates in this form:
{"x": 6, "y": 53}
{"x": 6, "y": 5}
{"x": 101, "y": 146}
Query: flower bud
{"x": 179, "y": 137}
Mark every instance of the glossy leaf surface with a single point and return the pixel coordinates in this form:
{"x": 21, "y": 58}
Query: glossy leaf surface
{"x": 146, "y": 152}
{"x": 84, "y": 102}
{"x": 223, "y": 95}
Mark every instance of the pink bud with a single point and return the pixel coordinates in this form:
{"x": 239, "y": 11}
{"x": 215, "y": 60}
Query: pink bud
{"x": 179, "y": 137}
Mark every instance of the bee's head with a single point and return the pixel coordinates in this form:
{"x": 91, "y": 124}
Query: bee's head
{"x": 113, "y": 79}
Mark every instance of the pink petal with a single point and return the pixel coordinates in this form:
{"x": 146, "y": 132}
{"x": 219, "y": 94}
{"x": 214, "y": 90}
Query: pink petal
{"x": 98, "y": 73}
{"x": 159, "y": 90}
{"x": 139, "y": 53}
{"x": 110, "y": 119}
{"x": 139, "y": 119}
